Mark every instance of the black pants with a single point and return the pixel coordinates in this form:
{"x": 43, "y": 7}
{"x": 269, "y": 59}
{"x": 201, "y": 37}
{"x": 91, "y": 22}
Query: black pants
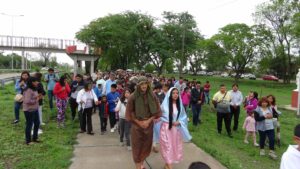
{"x": 196, "y": 109}
{"x": 262, "y": 138}
{"x": 32, "y": 118}
{"x": 103, "y": 123}
{"x": 226, "y": 117}
{"x": 125, "y": 127}
{"x": 86, "y": 120}
{"x": 112, "y": 119}
{"x": 73, "y": 106}
{"x": 235, "y": 114}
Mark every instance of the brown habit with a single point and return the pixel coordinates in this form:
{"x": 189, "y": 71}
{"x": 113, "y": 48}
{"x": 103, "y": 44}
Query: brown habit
{"x": 141, "y": 138}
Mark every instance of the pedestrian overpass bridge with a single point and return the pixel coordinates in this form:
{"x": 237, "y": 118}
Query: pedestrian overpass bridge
{"x": 37, "y": 44}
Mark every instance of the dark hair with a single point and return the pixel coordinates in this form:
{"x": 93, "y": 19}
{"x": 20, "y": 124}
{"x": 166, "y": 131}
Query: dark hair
{"x": 207, "y": 81}
{"x": 62, "y": 80}
{"x": 198, "y": 165}
{"x": 157, "y": 86}
{"x": 123, "y": 95}
{"x": 263, "y": 99}
{"x": 38, "y": 76}
{"x": 297, "y": 131}
{"x": 24, "y": 72}
{"x": 79, "y": 75}
{"x": 222, "y": 85}
{"x": 171, "y": 108}
{"x": 50, "y": 69}
{"x": 274, "y": 99}
{"x": 103, "y": 96}
{"x": 186, "y": 88}
{"x": 235, "y": 84}
{"x": 113, "y": 86}
{"x": 86, "y": 86}
{"x": 255, "y": 95}
{"x": 198, "y": 82}
{"x": 30, "y": 81}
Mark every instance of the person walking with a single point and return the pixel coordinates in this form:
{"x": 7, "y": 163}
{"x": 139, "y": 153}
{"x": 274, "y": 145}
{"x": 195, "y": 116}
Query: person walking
{"x": 249, "y": 126}
{"x": 197, "y": 99}
{"x": 51, "y": 78}
{"x": 112, "y": 99}
{"x": 236, "y": 98}
{"x": 107, "y": 85}
{"x": 86, "y": 99}
{"x": 61, "y": 91}
{"x": 142, "y": 108}
{"x": 30, "y": 107}
{"x": 221, "y": 101}
{"x": 206, "y": 92}
{"x": 124, "y": 125}
{"x": 20, "y": 85}
{"x": 264, "y": 117}
{"x": 76, "y": 86}
{"x": 173, "y": 128}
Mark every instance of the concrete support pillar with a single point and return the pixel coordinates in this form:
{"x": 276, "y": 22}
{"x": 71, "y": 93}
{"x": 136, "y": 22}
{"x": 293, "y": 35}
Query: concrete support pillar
{"x": 23, "y": 60}
{"x": 75, "y": 66}
{"x": 92, "y": 65}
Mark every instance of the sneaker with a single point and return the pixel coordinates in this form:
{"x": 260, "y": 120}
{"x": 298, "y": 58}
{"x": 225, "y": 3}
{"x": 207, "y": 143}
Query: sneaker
{"x": 129, "y": 148}
{"x": 112, "y": 130}
{"x": 43, "y": 124}
{"x": 272, "y": 155}
{"x": 246, "y": 141}
{"x": 40, "y": 131}
{"x": 121, "y": 144}
{"x": 262, "y": 152}
{"x": 15, "y": 122}
{"x": 256, "y": 145}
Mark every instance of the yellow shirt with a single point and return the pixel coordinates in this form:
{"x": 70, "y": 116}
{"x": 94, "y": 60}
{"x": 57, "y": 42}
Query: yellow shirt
{"x": 219, "y": 96}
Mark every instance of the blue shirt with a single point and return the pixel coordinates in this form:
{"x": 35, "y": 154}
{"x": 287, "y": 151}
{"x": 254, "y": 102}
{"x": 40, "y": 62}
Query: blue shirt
{"x": 52, "y": 79}
{"x": 97, "y": 91}
{"x": 107, "y": 86}
{"x": 112, "y": 99}
{"x": 18, "y": 88}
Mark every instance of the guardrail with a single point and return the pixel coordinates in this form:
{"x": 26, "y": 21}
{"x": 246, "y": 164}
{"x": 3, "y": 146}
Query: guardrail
{"x": 8, "y": 79}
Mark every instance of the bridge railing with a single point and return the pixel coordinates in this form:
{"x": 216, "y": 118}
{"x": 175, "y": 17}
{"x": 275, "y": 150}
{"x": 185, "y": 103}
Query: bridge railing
{"x": 32, "y": 42}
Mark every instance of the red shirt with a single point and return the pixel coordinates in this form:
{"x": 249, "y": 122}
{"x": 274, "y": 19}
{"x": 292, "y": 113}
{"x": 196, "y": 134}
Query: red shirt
{"x": 207, "y": 87}
{"x": 59, "y": 93}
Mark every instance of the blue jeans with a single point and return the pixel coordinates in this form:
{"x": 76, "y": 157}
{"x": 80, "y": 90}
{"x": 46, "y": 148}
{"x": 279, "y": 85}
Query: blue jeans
{"x": 32, "y": 118}
{"x": 17, "y": 110}
{"x": 196, "y": 109}
{"x": 206, "y": 94}
{"x": 50, "y": 97}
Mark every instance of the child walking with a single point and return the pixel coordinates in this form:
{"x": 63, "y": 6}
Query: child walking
{"x": 103, "y": 114}
{"x": 124, "y": 125}
{"x": 249, "y": 126}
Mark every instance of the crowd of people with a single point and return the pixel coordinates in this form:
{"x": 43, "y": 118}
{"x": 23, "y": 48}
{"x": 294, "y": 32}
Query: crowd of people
{"x": 145, "y": 110}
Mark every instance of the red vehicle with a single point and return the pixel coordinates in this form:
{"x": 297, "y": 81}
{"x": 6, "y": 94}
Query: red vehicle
{"x": 270, "y": 77}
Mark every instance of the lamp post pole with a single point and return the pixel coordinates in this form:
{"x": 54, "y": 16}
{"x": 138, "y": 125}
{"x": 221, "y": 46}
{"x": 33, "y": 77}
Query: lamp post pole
{"x": 12, "y": 34}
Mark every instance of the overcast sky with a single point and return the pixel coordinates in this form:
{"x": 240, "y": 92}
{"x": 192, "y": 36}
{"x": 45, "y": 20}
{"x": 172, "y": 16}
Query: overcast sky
{"x": 63, "y": 18}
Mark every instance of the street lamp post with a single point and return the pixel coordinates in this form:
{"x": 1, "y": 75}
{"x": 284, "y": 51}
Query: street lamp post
{"x": 12, "y": 34}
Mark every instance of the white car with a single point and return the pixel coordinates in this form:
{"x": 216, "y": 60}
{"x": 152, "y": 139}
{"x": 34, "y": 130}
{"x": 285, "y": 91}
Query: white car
{"x": 202, "y": 73}
{"x": 224, "y": 74}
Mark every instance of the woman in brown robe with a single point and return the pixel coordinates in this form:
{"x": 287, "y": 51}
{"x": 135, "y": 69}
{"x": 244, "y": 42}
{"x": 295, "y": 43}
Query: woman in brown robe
{"x": 142, "y": 108}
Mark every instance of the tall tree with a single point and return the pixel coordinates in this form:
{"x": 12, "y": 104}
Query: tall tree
{"x": 238, "y": 43}
{"x": 182, "y": 35}
{"x": 277, "y": 15}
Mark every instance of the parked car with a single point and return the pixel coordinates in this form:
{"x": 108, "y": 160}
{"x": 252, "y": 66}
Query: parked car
{"x": 209, "y": 73}
{"x": 224, "y": 74}
{"x": 201, "y": 73}
{"x": 252, "y": 76}
{"x": 270, "y": 77}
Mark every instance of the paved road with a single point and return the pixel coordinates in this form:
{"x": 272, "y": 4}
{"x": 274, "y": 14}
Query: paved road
{"x": 2, "y": 76}
{"x": 104, "y": 152}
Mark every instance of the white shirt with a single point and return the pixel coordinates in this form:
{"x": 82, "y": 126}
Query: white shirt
{"x": 121, "y": 108}
{"x": 291, "y": 158}
{"x": 236, "y": 98}
{"x": 85, "y": 96}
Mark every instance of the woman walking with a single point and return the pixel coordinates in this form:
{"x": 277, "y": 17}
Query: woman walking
{"x": 86, "y": 99}
{"x": 173, "y": 129}
{"x": 19, "y": 87}
{"x": 61, "y": 91}
{"x": 30, "y": 107}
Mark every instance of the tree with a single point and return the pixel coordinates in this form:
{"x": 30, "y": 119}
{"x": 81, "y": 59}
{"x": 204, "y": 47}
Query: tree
{"x": 182, "y": 34}
{"x": 46, "y": 55}
{"x": 238, "y": 43}
{"x": 277, "y": 15}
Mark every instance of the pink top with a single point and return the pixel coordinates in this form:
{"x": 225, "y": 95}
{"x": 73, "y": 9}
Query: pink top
{"x": 185, "y": 97}
{"x": 251, "y": 105}
{"x": 249, "y": 124}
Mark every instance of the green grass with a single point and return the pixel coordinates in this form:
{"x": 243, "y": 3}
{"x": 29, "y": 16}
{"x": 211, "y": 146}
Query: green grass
{"x": 233, "y": 153}
{"x": 56, "y": 148}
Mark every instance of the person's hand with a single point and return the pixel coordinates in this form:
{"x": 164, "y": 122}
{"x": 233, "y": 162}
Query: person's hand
{"x": 81, "y": 101}
{"x": 97, "y": 102}
{"x": 268, "y": 116}
{"x": 176, "y": 123}
{"x": 199, "y": 102}
{"x": 143, "y": 124}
